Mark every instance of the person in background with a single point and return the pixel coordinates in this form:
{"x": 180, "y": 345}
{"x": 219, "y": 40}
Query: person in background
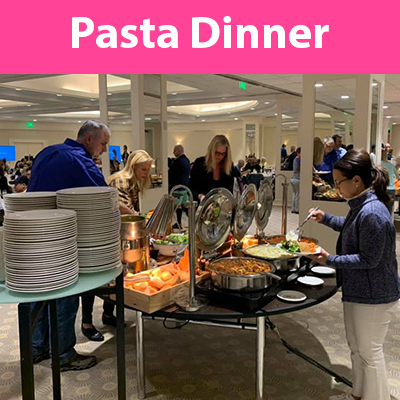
{"x": 65, "y": 166}
{"x": 125, "y": 154}
{"x": 330, "y": 158}
{"x": 288, "y": 163}
{"x": 283, "y": 153}
{"x": 239, "y": 166}
{"x": 252, "y": 165}
{"x": 179, "y": 174}
{"x": 264, "y": 164}
{"x": 295, "y": 182}
{"x": 373, "y": 155}
{"x": 390, "y": 154}
{"x": 4, "y": 187}
{"x": 366, "y": 267}
{"x": 114, "y": 163}
{"x": 21, "y": 184}
{"x": 392, "y": 173}
{"x": 29, "y": 172}
{"x": 318, "y": 153}
{"x": 215, "y": 170}
{"x": 340, "y": 151}
{"x": 133, "y": 179}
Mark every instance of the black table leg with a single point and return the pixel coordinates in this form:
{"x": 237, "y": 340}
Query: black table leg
{"x": 119, "y": 288}
{"x": 25, "y": 346}
{"x": 55, "y": 356}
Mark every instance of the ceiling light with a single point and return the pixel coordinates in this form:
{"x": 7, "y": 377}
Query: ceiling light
{"x": 173, "y": 107}
{"x": 124, "y": 123}
{"x": 236, "y": 119}
{"x": 18, "y": 89}
{"x": 29, "y": 105}
{"x": 319, "y": 85}
{"x": 59, "y": 95}
{"x": 180, "y": 113}
{"x": 174, "y": 94}
{"x": 1, "y": 108}
{"x": 34, "y": 120}
{"x": 374, "y": 84}
{"x": 203, "y": 120}
{"x": 109, "y": 94}
{"x": 79, "y": 121}
{"x": 229, "y": 112}
{"x": 385, "y": 107}
{"x": 252, "y": 108}
{"x": 266, "y": 102}
{"x": 92, "y": 99}
{"x": 276, "y": 114}
{"x": 147, "y": 119}
{"x": 345, "y": 97}
{"x": 388, "y": 116}
{"x": 197, "y": 115}
{"x": 394, "y": 123}
{"x": 223, "y": 98}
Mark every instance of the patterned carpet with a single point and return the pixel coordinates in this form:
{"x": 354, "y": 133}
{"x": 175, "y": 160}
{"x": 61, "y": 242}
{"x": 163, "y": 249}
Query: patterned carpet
{"x": 199, "y": 362}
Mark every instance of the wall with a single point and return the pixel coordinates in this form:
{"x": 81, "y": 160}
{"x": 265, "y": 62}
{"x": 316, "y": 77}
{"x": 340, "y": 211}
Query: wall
{"x": 395, "y": 140}
{"x": 195, "y": 137}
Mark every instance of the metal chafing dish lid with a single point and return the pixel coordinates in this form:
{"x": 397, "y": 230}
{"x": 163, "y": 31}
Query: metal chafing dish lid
{"x": 214, "y": 219}
{"x": 265, "y": 199}
{"x": 245, "y": 211}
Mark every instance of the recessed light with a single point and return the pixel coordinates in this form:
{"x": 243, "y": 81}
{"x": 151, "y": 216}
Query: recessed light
{"x": 252, "y": 108}
{"x": 394, "y": 123}
{"x": 276, "y": 114}
{"x": 18, "y": 89}
{"x": 124, "y": 123}
{"x": 266, "y": 102}
{"x": 388, "y": 116}
{"x": 345, "y": 97}
{"x": 79, "y": 121}
{"x": 223, "y": 98}
{"x": 385, "y": 107}
{"x": 179, "y": 113}
{"x": 203, "y": 120}
{"x": 92, "y": 99}
{"x": 1, "y": 108}
{"x": 29, "y": 105}
{"x": 197, "y": 115}
{"x": 34, "y": 120}
{"x": 174, "y": 94}
{"x": 148, "y": 119}
{"x": 110, "y": 94}
{"x": 236, "y": 119}
{"x": 319, "y": 85}
{"x": 374, "y": 84}
{"x": 59, "y": 95}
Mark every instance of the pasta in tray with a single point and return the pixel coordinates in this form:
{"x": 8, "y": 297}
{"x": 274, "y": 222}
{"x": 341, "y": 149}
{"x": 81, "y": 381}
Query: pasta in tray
{"x": 268, "y": 252}
{"x": 240, "y": 266}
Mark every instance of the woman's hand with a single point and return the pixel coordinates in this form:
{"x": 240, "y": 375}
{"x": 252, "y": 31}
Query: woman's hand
{"x": 317, "y": 216}
{"x": 320, "y": 258}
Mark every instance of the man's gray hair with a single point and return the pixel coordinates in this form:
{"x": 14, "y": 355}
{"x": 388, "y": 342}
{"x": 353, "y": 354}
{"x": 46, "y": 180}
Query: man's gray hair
{"x": 328, "y": 140}
{"x": 180, "y": 148}
{"x": 92, "y": 127}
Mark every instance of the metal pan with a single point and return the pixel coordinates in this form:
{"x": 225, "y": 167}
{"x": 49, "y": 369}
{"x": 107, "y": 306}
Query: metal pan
{"x": 244, "y": 283}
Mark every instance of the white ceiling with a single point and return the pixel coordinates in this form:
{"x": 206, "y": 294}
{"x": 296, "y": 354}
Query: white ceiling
{"x": 75, "y": 97}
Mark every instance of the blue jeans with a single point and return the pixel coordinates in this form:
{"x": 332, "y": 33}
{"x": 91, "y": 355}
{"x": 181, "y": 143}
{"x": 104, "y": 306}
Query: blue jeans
{"x": 67, "y": 309}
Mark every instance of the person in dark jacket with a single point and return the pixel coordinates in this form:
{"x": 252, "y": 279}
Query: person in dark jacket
{"x": 215, "y": 170}
{"x": 179, "y": 174}
{"x": 367, "y": 266}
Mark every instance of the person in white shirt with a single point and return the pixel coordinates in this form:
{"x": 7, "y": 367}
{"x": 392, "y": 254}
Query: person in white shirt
{"x": 373, "y": 155}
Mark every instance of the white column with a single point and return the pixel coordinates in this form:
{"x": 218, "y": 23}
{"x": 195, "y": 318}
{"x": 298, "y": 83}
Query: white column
{"x": 385, "y": 134}
{"x": 137, "y": 111}
{"x": 164, "y": 130}
{"x": 103, "y": 103}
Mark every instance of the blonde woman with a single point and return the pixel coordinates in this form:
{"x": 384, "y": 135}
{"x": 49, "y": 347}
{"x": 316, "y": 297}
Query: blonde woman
{"x": 133, "y": 179}
{"x": 215, "y": 170}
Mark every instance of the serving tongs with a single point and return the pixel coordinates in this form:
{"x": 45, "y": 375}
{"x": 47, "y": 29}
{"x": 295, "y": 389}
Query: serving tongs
{"x": 297, "y": 233}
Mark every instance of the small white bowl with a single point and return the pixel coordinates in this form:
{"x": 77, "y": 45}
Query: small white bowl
{"x": 170, "y": 249}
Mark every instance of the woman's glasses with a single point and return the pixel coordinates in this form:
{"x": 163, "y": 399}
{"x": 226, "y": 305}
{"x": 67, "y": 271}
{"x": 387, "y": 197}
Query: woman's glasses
{"x": 337, "y": 184}
{"x": 217, "y": 153}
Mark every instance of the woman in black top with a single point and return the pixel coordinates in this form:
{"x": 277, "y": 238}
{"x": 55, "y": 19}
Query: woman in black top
{"x": 215, "y": 170}
{"x": 4, "y": 187}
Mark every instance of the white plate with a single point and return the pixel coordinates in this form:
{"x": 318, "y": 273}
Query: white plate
{"x": 87, "y": 190}
{"x": 30, "y": 195}
{"x": 317, "y": 251}
{"x": 323, "y": 270}
{"x": 40, "y": 215}
{"x": 292, "y": 296}
{"x": 310, "y": 280}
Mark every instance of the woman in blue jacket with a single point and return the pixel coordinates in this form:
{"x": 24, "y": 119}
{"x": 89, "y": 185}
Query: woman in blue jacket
{"x": 366, "y": 267}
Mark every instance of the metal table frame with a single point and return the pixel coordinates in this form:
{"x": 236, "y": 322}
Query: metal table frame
{"x": 220, "y": 320}
{"x": 27, "y": 321}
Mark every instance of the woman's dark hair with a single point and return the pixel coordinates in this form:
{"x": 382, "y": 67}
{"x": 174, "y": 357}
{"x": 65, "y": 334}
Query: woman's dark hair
{"x": 358, "y": 162}
{"x": 298, "y": 150}
{"x": 1, "y": 171}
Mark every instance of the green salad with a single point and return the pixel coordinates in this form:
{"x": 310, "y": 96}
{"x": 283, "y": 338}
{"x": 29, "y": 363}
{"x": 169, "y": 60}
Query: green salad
{"x": 174, "y": 238}
{"x": 291, "y": 245}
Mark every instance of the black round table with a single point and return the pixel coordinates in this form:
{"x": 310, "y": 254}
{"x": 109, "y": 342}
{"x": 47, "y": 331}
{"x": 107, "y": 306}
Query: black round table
{"x": 214, "y": 314}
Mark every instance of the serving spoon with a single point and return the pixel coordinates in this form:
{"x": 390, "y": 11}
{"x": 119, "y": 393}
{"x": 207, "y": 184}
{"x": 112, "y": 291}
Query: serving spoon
{"x": 296, "y": 234}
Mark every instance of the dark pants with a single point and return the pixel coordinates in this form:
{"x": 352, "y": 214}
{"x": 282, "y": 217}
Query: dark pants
{"x": 87, "y": 309}
{"x": 66, "y": 313}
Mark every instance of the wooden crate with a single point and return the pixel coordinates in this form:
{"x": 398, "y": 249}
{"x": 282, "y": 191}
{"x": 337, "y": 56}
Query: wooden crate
{"x": 156, "y": 301}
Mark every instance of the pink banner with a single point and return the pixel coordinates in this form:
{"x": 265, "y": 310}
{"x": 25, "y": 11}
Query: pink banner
{"x": 203, "y": 37}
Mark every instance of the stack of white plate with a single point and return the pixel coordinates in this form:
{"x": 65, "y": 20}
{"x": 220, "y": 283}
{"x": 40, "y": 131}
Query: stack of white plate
{"x": 40, "y": 250}
{"x": 30, "y": 201}
{"x": 2, "y": 268}
{"x": 98, "y": 226}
